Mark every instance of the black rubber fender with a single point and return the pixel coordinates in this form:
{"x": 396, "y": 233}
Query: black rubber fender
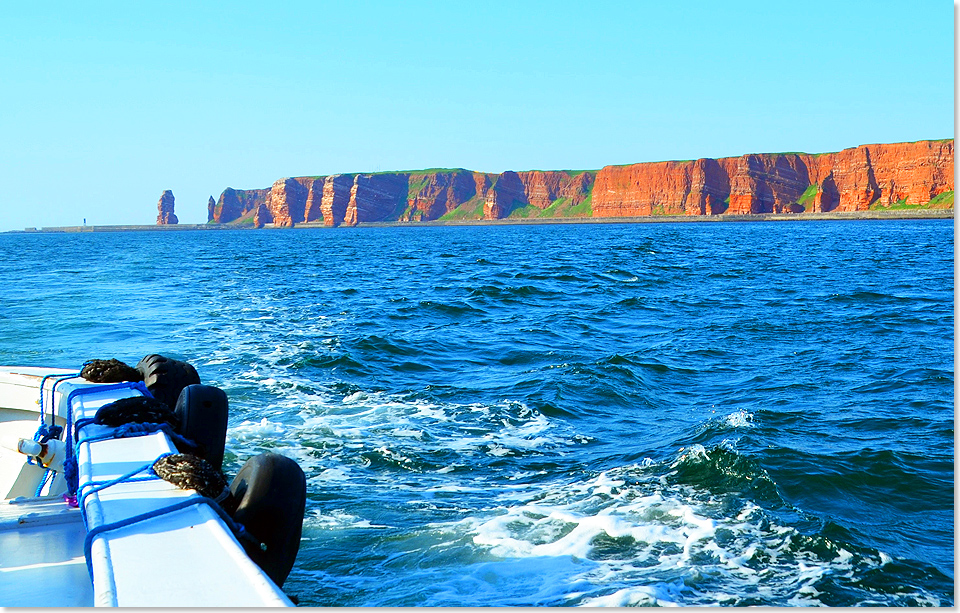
{"x": 166, "y": 377}
{"x": 269, "y": 496}
{"x": 202, "y": 411}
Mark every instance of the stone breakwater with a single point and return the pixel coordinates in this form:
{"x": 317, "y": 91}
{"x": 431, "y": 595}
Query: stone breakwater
{"x": 869, "y": 177}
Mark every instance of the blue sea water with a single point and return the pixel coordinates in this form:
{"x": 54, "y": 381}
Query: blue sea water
{"x": 675, "y": 413}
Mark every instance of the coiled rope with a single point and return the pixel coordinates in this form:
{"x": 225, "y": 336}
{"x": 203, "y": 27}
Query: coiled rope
{"x": 109, "y": 371}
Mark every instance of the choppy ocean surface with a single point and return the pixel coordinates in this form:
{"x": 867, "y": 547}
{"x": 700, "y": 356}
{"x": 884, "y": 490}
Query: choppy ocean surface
{"x": 689, "y": 414}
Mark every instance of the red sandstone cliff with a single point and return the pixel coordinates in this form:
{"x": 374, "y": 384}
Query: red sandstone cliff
{"x": 506, "y": 194}
{"x": 850, "y": 180}
{"x": 375, "y": 197}
{"x": 237, "y": 204}
{"x": 336, "y": 196}
{"x": 431, "y": 195}
{"x": 853, "y": 179}
{"x": 287, "y": 201}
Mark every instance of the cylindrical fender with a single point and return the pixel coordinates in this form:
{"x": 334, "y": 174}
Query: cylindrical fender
{"x": 202, "y": 410}
{"x": 166, "y": 377}
{"x": 270, "y": 496}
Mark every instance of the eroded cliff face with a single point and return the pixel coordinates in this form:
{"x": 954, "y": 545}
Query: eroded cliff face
{"x": 165, "y": 214}
{"x": 375, "y": 197}
{"x": 543, "y": 188}
{"x": 287, "y": 201}
{"x": 854, "y": 179}
{"x": 643, "y": 189}
{"x": 336, "y": 197}
{"x": 915, "y": 172}
{"x": 767, "y": 184}
{"x": 506, "y": 194}
{"x": 313, "y": 208}
{"x": 431, "y": 195}
{"x": 237, "y": 205}
{"x": 850, "y": 180}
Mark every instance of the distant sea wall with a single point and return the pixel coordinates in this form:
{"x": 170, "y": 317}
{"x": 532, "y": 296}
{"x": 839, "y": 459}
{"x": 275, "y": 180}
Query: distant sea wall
{"x": 884, "y": 177}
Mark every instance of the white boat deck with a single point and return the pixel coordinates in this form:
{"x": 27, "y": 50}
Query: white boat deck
{"x": 41, "y": 555}
{"x": 187, "y": 557}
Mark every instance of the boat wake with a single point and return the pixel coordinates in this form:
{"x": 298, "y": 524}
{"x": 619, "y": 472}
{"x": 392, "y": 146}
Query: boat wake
{"x": 476, "y": 505}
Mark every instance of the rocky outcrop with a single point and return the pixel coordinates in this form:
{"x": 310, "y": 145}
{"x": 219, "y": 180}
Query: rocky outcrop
{"x": 767, "y": 184}
{"x": 913, "y": 172}
{"x": 165, "y": 214}
{"x": 909, "y": 173}
{"x": 643, "y": 189}
{"x": 543, "y": 188}
{"x": 850, "y": 180}
{"x": 336, "y": 197}
{"x": 431, "y": 195}
{"x": 262, "y": 216}
{"x": 375, "y": 197}
{"x": 506, "y": 193}
{"x": 313, "y": 211}
{"x": 482, "y": 182}
{"x": 211, "y": 207}
{"x": 287, "y": 201}
{"x": 237, "y": 205}
{"x": 709, "y": 186}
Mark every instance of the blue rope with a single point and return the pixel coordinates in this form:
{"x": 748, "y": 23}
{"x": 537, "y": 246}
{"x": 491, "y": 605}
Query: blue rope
{"x": 43, "y": 482}
{"x": 133, "y": 429}
{"x": 122, "y": 478}
{"x": 238, "y": 530}
{"x": 46, "y": 432}
{"x": 70, "y": 468}
{"x": 83, "y": 421}
{"x": 53, "y": 390}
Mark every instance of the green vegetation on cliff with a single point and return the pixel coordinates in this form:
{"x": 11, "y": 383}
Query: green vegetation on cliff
{"x": 523, "y": 211}
{"x": 417, "y": 183}
{"x": 806, "y": 198}
{"x": 564, "y": 207}
{"x": 899, "y": 205}
{"x": 942, "y": 201}
{"x": 471, "y": 209}
{"x": 246, "y": 220}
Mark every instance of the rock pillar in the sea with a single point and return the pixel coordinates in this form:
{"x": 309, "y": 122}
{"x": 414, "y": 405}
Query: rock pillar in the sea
{"x": 165, "y": 214}
{"x": 211, "y": 207}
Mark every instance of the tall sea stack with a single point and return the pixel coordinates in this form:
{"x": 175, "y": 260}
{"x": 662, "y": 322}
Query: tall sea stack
{"x": 165, "y": 214}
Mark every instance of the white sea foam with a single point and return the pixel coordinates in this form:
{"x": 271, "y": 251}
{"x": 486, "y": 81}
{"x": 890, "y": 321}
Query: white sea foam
{"x": 249, "y": 430}
{"x": 354, "y": 397}
{"x": 739, "y": 419}
{"x": 336, "y": 520}
{"x": 661, "y": 545}
{"x": 644, "y": 596}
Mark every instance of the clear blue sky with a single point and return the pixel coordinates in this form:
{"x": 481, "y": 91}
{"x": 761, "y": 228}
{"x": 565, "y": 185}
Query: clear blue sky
{"x": 103, "y": 107}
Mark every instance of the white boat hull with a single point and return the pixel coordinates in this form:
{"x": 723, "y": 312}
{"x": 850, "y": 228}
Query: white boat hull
{"x": 187, "y": 557}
